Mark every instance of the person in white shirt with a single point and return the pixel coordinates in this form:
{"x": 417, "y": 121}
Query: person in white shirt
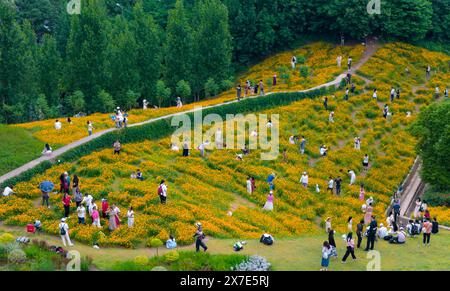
{"x": 269, "y": 124}
{"x": 8, "y": 191}
{"x": 130, "y": 216}
{"x": 331, "y": 117}
{"x": 304, "y": 180}
{"x": 328, "y": 224}
{"x": 330, "y": 184}
{"x": 87, "y": 200}
{"x": 292, "y": 139}
{"x": 174, "y": 147}
{"x": 162, "y": 192}
{"x": 339, "y": 61}
{"x": 323, "y": 150}
{"x": 64, "y": 232}
{"x": 144, "y": 104}
{"x": 392, "y": 94}
{"x": 375, "y": 96}
{"x": 81, "y": 211}
{"x": 179, "y": 103}
{"x": 254, "y": 133}
{"x": 352, "y": 177}
{"x": 369, "y": 200}
{"x": 382, "y": 231}
{"x": 47, "y": 149}
{"x": 90, "y": 127}
{"x": 58, "y": 124}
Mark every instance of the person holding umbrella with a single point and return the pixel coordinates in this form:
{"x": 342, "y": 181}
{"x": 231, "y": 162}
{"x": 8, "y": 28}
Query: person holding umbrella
{"x": 46, "y": 187}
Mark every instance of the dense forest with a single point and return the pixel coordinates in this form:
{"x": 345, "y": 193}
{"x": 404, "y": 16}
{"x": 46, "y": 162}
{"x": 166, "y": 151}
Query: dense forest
{"x": 118, "y": 52}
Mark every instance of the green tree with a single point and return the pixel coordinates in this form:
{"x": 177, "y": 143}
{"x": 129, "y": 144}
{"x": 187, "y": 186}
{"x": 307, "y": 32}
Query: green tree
{"x": 76, "y": 102}
{"x": 211, "y": 88}
{"x": 432, "y": 128}
{"x": 149, "y": 52}
{"x": 130, "y": 100}
{"x": 105, "y": 102}
{"x": 183, "y": 89}
{"x": 162, "y": 93}
{"x": 441, "y": 19}
{"x": 49, "y": 70}
{"x": 178, "y": 47}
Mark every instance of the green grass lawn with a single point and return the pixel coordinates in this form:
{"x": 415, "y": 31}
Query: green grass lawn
{"x": 18, "y": 147}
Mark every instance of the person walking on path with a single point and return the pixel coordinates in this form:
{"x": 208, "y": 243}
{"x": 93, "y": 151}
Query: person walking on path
{"x": 238, "y": 92}
{"x": 81, "y": 213}
{"x": 304, "y": 179}
{"x": 349, "y": 63}
{"x": 350, "y": 224}
{"x": 45, "y": 198}
{"x": 66, "y": 203}
{"x": 326, "y": 251}
{"x": 371, "y": 234}
{"x": 261, "y": 88}
{"x": 130, "y": 216}
{"x": 64, "y": 232}
{"x": 269, "y": 203}
{"x": 359, "y": 232}
{"x": 338, "y": 182}
{"x": 375, "y": 95}
{"x": 96, "y": 217}
{"x": 200, "y": 238}
{"x": 90, "y": 127}
{"x": 427, "y": 228}
{"x": 117, "y": 147}
{"x": 162, "y": 192}
{"x": 350, "y": 248}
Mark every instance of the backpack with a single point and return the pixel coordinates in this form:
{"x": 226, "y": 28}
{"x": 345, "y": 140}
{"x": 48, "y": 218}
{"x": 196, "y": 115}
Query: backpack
{"x": 238, "y": 246}
{"x": 160, "y": 191}
{"x": 62, "y": 230}
{"x": 267, "y": 240}
{"x": 414, "y": 229}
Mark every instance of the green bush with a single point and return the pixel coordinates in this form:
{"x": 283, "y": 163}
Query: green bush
{"x": 6, "y": 238}
{"x": 171, "y": 256}
{"x": 437, "y": 198}
{"x": 304, "y": 71}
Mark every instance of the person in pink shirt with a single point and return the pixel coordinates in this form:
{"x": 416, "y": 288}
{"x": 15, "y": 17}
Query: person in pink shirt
{"x": 269, "y": 203}
{"x": 66, "y": 202}
{"x": 96, "y": 217}
{"x": 350, "y": 248}
{"x": 427, "y": 226}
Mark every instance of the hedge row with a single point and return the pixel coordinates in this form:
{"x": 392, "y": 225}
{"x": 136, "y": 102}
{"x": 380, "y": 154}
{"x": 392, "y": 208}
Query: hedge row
{"x": 162, "y": 128}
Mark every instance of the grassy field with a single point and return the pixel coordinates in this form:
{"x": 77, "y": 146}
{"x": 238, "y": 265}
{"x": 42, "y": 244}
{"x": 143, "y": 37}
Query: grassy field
{"x": 301, "y": 253}
{"x": 18, "y": 147}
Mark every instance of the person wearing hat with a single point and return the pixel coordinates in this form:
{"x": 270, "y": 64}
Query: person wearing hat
{"x": 382, "y": 231}
{"x": 269, "y": 202}
{"x": 105, "y": 206}
{"x": 400, "y": 238}
{"x": 304, "y": 180}
{"x": 64, "y": 232}
{"x": 200, "y": 236}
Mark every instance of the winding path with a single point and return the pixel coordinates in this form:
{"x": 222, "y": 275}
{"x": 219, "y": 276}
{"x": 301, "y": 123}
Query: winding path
{"x": 371, "y": 48}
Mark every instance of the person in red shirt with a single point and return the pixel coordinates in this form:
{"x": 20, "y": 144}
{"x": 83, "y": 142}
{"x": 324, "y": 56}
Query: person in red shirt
{"x": 105, "y": 207}
{"x": 427, "y": 226}
{"x": 66, "y": 200}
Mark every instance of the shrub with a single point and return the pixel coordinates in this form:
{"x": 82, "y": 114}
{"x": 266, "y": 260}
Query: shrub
{"x": 6, "y": 238}
{"x": 171, "y": 256}
{"x": 304, "y": 71}
{"x": 254, "y": 263}
{"x": 141, "y": 260}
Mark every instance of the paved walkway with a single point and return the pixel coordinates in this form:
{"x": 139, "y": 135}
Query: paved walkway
{"x": 371, "y": 48}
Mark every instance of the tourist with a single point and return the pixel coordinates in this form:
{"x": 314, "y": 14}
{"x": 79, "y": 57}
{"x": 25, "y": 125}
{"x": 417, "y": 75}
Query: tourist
{"x": 423, "y": 206}
{"x": 352, "y": 175}
{"x": 397, "y": 94}
{"x": 350, "y": 247}
{"x": 117, "y": 147}
{"x": 427, "y": 228}
{"x": 96, "y": 218}
{"x": 66, "y": 203}
{"x": 435, "y": 228}
{"x": 326, "y": 251}
{"x": 62, "y": 181}
{"x": 162, "y": 192}
{"x": 202, "y": 147}
{"x": 302, "y": 145}
{"x": 81, "y": 213}
{"x": 392, "y": 96}
{"x": 400, "y": 238}
{"x": 139, "y": 175}
{"x": 382, "y": 231}
{"x": 347, "y": 91}
{"x": 330, "y": 184}
{"x": 171, "y": 243}
{"x": 112, "y": 218}
{"x": 365, "y": 162}
{"x": 91, "y": 209}
{"x": 353, "y": 88}
{"x": 117, "y": 216}
{"x": 105, "y": 207}
{"x": 249, "y": 186}
{"x": 348, "y": 78}
{"x": 371, "y": 234}
{"x": 269, "y": 203}
{"x": 185, "y": 148}
{"x": 245, "y": 150}
{"x": 349, "y": 63}
{"x": 179, "y": 102}
{"x": 304, "y": 179}
{"x": 428, "y": 72}
{"x": 261, "y": 88}
{"x": 145, "y": 104}
{"x": 331, "y": 117}
{"x": 332, "y": 243}
{"x": 64, "y": 231}
{"x": 8, "y": 191}
{"x": 270, "y": 179}
{"x": 238, "y": 92}
{"x": 45, "y": 198}
{"x": 130, "y": 216}
{"x": 359, "y": 232}
{"x": 323, "y": 150}
{"x": 325, "y": 103}
{"x": 417, "y": 208}
{"x": 58, "y": 124}
{"x": 369, "y": 200}
{"x": 338, "y": 182}
{"x": 426, "y": 214}
{"x": 293, "y": 61}
{"x": 199, "y": 236}
{"x": 374, "y": 95}
{"x": 90, "y": 128}
{"x": 252, "y": 179}
{"x": 396, "y": 208}
{"x": 87, "y": 200}
{"x": 368, "y": 214}
{"x": 292, "y": 139}
{"x": 269, "y": 124}
{"x": 69, "y": 121}
{"x": 47, "y": 150}
{"x": 357, "y": 143}
{"x": 436, "y": 92}
{"x": 446, "y": 93}
{"x": 350, "y": 224}
{"x": 274, "y": 80}
{"x": 76, "y": 190}
{"x": 361, "y": 192}
{"x": 328, "y": 224}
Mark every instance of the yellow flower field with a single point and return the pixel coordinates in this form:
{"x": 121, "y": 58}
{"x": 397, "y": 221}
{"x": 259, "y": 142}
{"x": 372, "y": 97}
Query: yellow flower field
{"x": 206, "y": 189}
{"x": 320, "y": 58}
